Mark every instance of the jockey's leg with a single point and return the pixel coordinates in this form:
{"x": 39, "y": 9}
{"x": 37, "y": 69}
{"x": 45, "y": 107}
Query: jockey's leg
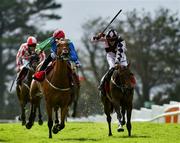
{"x": 45, "y": 63}
{"x": 105, "y": 78}
{"x": 111, "y": 61}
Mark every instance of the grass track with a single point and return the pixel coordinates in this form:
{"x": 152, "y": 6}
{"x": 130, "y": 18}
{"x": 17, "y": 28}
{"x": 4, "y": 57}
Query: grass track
{"x": 76, "y": 132}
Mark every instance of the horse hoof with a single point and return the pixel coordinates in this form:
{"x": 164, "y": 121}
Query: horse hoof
{"x": 55, "y": 130}
{"x": 40, "y": 122}
{"x": 23, "y": 123}
{"x": 60, "y": 127}
{"x": 120, "y": 130}
{"x": 28, "y": 125}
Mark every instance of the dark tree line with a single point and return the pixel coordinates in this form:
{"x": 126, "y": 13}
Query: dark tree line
{"x": 153, "y": 44}
{"x": 18, "y": 20}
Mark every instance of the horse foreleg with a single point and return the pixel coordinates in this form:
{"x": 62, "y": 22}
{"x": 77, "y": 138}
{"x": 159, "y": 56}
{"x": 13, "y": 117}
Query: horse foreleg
{"x": 123, "y": 121}
{"x": 56, "y": 116}
{"x": 40, "y": 122}
{"x": 64, "y": 112}
{"x": 23, "y": 116}
{"x": 109, "y": 123}
{"x": 50, "y": 121}
{"x": 30, "y": 122}
{"x": 56, "y": 126}
{"x": 128, "y": 124}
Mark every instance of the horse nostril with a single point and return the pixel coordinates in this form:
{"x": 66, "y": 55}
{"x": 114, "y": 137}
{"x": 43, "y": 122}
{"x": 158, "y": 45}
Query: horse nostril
{"x": 65, "y": 51}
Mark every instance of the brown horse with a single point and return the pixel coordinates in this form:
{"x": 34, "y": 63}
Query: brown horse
{"x": 23, "y": 88}
{"x": 119, "y": 96}
{"x": 56, "y": 88}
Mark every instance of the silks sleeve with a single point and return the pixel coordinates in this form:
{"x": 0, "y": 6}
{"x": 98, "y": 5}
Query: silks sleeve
{"x": 45, "y": 45}
{"x": 73, "y": 54}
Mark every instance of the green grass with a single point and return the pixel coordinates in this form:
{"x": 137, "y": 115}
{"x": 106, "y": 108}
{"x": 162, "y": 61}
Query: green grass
{"x": 91, "y": 133}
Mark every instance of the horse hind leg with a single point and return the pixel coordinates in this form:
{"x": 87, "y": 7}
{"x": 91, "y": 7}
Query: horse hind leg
{"x": 119, "y": 117}
{"x": 64, "y": 112}
{"x": 75, "y": 107}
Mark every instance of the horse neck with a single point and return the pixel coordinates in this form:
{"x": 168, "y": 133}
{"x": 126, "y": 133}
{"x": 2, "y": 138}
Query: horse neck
{"x": 116, "y": 76}
{"x": 60, "y": 75}
{"x": 29, "y": 76}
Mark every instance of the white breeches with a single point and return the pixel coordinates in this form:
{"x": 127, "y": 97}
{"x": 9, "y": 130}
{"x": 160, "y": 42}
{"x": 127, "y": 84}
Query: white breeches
{"x": 110, "y": 56}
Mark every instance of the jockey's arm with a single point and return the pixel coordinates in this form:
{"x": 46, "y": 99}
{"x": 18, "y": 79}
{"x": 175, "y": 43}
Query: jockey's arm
{"x": 73, "y": 54}
{"x": 99, "y": 38}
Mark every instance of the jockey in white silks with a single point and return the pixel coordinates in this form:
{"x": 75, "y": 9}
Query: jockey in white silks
{"x": 115, "y": 48}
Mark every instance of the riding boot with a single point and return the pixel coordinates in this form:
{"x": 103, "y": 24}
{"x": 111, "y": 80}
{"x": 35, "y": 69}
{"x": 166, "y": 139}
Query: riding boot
{"x": 21, "y": 75}
{"x": 105, "y": 78}
{"x": 71, "y": 80}
{"x": 45, "y": 63}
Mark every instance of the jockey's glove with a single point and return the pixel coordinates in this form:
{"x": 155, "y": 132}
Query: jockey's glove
{"x": 98, "y": 36}
{"x": 53, "y": 55}
{"x": 78, "y": 64}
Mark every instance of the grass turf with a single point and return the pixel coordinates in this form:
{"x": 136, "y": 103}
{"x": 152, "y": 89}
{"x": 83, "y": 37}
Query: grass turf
{"x": 80, "y": 132}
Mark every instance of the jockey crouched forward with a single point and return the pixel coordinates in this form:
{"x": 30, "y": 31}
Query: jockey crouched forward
{"x": 25, "y": 56}
{"x": 50, "y": 43}
{"x": 115, "y": 48}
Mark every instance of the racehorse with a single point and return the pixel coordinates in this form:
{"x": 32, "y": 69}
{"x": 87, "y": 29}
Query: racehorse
{"x": 119, "y": 96}
{"x": 23, "y": 88}
{"x": 56, "y": 88}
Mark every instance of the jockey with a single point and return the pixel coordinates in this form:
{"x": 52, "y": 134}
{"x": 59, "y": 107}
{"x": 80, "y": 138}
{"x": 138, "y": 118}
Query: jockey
{"x": 25, "y": 53}
{"x": 115, "y": 48}
{"x": 50, "y": 43}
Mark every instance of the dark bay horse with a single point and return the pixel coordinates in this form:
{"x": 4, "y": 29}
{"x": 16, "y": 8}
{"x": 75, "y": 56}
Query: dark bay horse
{"x": 56, "y": 88}
{"x": 119, "y": 97}
{"x": 23, "y": 89}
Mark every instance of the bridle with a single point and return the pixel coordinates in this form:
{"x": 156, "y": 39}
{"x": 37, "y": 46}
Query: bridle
{"x": 120, "y": 85}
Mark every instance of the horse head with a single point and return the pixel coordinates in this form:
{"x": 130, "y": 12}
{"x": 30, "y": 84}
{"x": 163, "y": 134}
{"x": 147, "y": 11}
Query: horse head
{"x": 124, "y": 78}
{"x": 62, "y": 49}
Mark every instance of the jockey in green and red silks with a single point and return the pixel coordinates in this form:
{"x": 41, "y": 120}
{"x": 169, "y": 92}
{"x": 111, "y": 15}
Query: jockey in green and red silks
{"x": 50, "y": 43}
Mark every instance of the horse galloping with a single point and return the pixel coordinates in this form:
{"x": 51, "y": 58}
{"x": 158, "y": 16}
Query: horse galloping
{"x": 56, "y": 88}
{"x": 23, "y": 89}
{"x": 119, "y": 96}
